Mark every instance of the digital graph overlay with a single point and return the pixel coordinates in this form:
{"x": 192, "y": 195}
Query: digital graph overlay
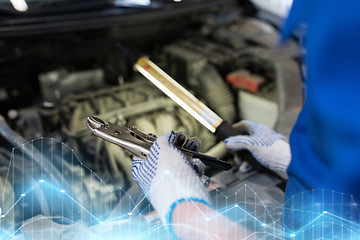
{"x": 53, "y": 195}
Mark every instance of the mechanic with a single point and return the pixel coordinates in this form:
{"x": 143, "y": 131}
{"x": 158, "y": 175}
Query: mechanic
{"x": 324, "y": 142}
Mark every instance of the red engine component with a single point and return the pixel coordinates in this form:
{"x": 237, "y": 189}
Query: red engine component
{"x": 245, "y": 80}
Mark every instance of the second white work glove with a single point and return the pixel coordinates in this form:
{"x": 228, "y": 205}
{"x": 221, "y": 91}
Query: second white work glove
{"x": 168, "y": 178}
{"x": 268, "y": 147}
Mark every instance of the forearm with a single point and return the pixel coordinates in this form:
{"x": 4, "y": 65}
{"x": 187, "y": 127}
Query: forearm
{"x": 176, "y": 192}
{"x": 194, "y": 220}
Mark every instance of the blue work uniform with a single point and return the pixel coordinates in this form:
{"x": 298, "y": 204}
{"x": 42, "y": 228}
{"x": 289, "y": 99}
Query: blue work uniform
{"x": 324, "y": 173}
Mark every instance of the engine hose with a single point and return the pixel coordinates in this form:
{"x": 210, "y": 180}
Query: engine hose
{"x": 45, "y": 210}
{"x": 42, "y": 161}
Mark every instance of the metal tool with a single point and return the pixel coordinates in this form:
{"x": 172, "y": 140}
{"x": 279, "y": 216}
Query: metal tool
{"x": 139, "y": 143}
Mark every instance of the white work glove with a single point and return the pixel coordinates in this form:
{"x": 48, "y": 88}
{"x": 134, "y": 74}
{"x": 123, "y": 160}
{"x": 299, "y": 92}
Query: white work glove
{"x": 268, "y": 147}
{"x": 167, "y": 177}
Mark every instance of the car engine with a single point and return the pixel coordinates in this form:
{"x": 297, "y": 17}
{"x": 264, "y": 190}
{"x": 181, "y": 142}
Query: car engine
{"x": 58, "y": 181}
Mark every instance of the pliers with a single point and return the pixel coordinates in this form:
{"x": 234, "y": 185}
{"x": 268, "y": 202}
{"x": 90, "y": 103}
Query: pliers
{"x": 139, "y": 143}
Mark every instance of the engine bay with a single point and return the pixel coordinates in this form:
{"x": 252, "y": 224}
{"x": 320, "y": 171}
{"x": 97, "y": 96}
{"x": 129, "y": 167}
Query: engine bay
{"x": 59, "y": 180}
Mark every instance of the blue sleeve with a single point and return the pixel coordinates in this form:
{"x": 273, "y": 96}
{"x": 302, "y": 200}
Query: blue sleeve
{"x": 325, "y": 141}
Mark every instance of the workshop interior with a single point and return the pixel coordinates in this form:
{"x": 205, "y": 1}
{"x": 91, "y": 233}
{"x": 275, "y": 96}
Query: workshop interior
{"x": 63, "y": 61}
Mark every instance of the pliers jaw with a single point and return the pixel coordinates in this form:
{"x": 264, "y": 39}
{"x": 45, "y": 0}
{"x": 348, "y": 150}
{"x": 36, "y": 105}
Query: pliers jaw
{"x": 129, "y": 138}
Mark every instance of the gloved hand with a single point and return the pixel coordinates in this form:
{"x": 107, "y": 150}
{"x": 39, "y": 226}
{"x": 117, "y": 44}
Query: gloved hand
{"x": 167, "y": 177}
{"x": 268, "y": 147}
